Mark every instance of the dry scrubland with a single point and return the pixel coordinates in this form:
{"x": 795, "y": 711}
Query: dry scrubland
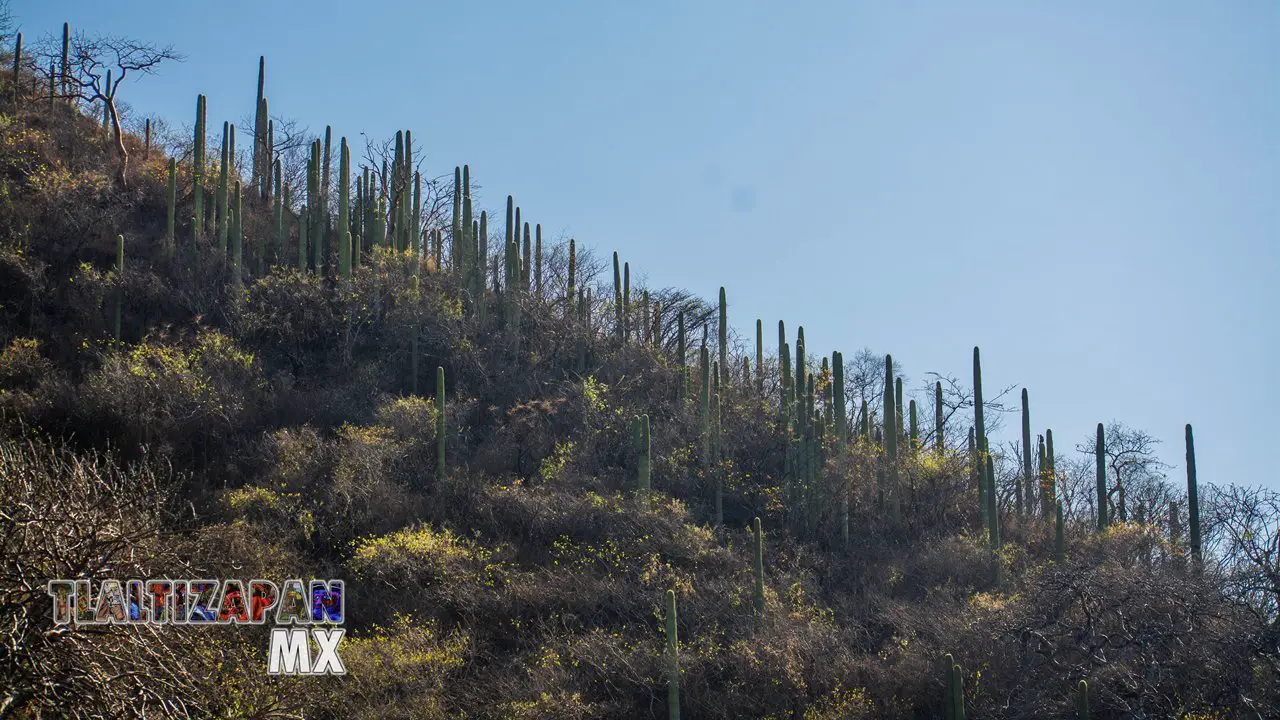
{"x": 207, "y": 409}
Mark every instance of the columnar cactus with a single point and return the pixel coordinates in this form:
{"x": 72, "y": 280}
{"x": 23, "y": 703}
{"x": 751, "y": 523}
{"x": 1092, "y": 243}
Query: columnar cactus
{"x": 223, "y": 189}
{"x": 993, "y": 508}
{"x": 237, "y": 236}
{"x": 841, "y": 409}
{"x": 66, "y": 60}
{"x": 259, "y": 127}
{"x": 759, "y": 568}
{"x": 718, "y": 496}
{"x": 617, "y": 297}
{"x": 439, "y": 422}
{"x": 1028, "y": 482}
{"x": 673, "y": 659}
{"x": 705, "y": 405}
{"x": 572, "y": 281}
{"x": 759, "y": 356}
{"x": 939, "y": 419}
{"x": 1193, "y": 499}
{"x": 172, "y": 197}
{"x": 197, "y": 165}
{"x": 344, "y": 209}
{"x": 979, "y": 424}
{"x": 1100, "y": 467}
{"x": 724, "y": 330}
{"x": 537, "y": 261}
{"x": 626, "y": 302}
{"x": 1051, "y": 475}
{"x": 957, "y": 692}
{"x": 915, "y": 426}
{"x": 891, "y": 438}
{"x": 1082, "y": 701}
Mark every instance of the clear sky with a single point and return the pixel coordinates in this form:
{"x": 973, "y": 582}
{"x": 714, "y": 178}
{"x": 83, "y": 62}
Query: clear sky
{"x": 1087, "y": 190}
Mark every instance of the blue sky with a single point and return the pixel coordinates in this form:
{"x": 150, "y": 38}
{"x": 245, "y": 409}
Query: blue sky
{"x": 1087, "y": 190}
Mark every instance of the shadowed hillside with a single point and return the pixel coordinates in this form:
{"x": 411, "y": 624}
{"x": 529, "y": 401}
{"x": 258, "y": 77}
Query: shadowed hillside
{"x": 289, "y": 362}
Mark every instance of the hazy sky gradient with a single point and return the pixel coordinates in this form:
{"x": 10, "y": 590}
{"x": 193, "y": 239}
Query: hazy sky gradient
{"x": 1087, "y": 190}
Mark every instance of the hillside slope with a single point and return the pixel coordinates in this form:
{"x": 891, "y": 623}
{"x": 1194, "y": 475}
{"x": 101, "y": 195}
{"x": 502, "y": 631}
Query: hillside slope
{"x": 270, "y": 421}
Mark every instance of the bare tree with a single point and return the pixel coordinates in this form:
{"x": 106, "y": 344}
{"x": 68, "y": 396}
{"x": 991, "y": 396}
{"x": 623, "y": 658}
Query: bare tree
{"x": 98, "y": 65}
{"x": 1132, "y": 462}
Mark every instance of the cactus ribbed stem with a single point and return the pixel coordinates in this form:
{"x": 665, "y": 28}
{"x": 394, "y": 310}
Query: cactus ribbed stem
{"x": 673, "y": 659}
{"x": 891, "y": 421}
{"x": 723, "y": 329}
{"x": 914, "y": 425}
{"x": 1193, "y": 499}
{"x": 1100, "y": 468}
{"x": 344, "y": 205}
{"x": 1082, "y": 701}
{"x": 979, "y": 423}
{"x": 237, "y": 236}
{"x": 197, "y": 165}
{"x": 440, "y": 422}
{"x": 759, "y": 568}
{"x": 1028, "y": 482}
{"x": 939, "y": 419}
{"x": 759, "y": 356}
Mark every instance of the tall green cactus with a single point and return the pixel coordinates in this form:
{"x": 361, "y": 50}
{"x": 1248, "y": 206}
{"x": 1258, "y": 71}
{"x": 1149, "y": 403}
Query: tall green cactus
{"x": 759, "y": 356}
{"x": 626, "y": 302}
{"x": 344, "y": 205}
{"x": 915, "y": 426}
{"x": 939, "y": 419}
{"x": 673, "y": 659}
{"x": 718, "y": 480}
{"x": 172, "y": 197}
{"x": 1028, "y": 481}
{"x": 259, "y": 126}
{"x": 841, "y": 409}
{"x": 572, "y": 282}
{"x": 198, "y": 162}
{"x": 224, "y": 190}
{"x": 1082, "y": 701}
{"x": 537, "y": 260}
{"x": 891, "y": 416}
{"x": 957, "y": 692}
{"x": 900, "y": 407}
{"x": 979, "y": 423}
{"x": 758, "y": 595}
{"x": 440, "y": 422}
{"x": 237, "y": 236}
{"x": 1100, "y": 468}
{"x": 993, "y": 508}
{"x": 617, "y": 298}
{"x": 1193, "y": 499}
{"x": 724, "y": 330}
{"x": 1051, "y": 475}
